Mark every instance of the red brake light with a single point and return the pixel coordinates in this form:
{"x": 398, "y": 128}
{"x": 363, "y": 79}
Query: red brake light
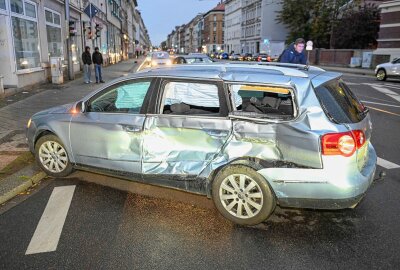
{"x": 344, "y": 144}
{"x": 259, "y": 58}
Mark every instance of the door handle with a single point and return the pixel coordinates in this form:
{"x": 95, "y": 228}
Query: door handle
{"x": 132, "y": 128}
{"x": 217, "y": 133}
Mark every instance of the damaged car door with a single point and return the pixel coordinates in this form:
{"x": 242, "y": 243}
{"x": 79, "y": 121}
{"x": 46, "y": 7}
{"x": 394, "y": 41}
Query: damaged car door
{"x": 190, "y": 128}
{"x": 108, "y": 134}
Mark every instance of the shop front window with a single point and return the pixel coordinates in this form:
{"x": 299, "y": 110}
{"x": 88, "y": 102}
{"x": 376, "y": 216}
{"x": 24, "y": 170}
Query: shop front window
{"x": 17, "y": 6}
{"x": 53, "y": 28}
{"x": 26, "y": 43}
{"x": 3, "y": 4}
{"x": 25, "y": 34}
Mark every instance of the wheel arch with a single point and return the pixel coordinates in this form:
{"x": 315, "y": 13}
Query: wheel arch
{"x": 251, "y": 162}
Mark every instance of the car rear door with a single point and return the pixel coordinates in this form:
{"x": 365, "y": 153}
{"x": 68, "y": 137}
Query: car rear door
{"x": 189, "y": 128}
{"x": 109, "y": 134}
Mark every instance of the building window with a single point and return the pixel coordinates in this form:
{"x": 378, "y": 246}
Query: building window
{"x": 53, "y": 28}
{"x": 25, "y": 34}
{"x": 3, "y": 4}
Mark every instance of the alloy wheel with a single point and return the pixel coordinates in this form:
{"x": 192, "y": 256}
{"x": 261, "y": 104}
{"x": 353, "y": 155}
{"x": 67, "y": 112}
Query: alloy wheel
{"x": 241, "y": 196}
{"x": 53, "y": 156}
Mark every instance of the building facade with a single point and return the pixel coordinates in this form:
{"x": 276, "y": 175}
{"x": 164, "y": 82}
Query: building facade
{"x": 260, "y": 31}
{"x": 389, "y": 32}
{"x": 32, "y": 31}
{"x": 213, "y": 29}
{"x": 233, "y": 27}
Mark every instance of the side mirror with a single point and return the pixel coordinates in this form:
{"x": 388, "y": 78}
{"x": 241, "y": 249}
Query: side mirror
{"x": 80, "y": 107}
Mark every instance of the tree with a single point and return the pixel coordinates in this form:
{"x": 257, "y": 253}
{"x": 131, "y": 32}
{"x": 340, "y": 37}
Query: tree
{"x": 311, "y": 19}
{"x": 357, "y": 29}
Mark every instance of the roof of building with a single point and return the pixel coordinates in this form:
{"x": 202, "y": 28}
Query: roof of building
{"x": 219, "y": 8}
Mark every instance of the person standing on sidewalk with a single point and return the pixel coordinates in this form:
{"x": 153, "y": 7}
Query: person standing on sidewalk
{"x": 87, "y": 62}
{"x": 97, "y": 58}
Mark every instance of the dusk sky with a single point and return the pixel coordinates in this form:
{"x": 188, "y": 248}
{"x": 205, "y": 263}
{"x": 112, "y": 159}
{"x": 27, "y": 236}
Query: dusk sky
{"x": 161, "y": 16}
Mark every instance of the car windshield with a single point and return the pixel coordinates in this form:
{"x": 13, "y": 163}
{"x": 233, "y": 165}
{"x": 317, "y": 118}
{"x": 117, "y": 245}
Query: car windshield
{"x": 339, "y": 102}
{"x": 160, "y": 55}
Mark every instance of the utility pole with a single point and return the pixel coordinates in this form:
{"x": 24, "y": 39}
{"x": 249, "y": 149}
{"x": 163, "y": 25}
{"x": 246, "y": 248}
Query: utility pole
{"x": 71, "y": 74}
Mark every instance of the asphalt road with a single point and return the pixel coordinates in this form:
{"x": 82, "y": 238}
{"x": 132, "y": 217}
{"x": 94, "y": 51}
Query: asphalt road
{"x": 110, "y": 229}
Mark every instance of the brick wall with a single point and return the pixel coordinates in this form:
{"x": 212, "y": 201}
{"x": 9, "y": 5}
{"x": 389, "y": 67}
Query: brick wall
{"x": 331, "y": 57}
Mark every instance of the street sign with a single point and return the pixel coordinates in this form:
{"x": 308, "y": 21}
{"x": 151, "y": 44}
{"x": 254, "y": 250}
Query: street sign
{"x": 309, "y": 45}
{"x": 91, "y": 10}
{"x": 266, "y": 41}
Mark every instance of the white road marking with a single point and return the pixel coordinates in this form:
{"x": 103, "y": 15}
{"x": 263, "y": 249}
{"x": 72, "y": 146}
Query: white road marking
{"x": 378, "y": 103}
{"x": 387, "y": 164}
{"x": 385, "y": 91}
{"x": 48, "y": 231}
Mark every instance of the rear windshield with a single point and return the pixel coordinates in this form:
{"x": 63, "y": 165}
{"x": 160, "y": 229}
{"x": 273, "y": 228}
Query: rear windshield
{"x": 160, "y": 55}
{"x": 339, "y": 102}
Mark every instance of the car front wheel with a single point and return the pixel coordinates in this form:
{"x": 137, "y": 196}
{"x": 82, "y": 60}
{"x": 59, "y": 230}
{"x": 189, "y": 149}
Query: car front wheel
{"x": 242, "y": 195}
{"x": 381, "y": 75}
{"x": 51, "y": 156}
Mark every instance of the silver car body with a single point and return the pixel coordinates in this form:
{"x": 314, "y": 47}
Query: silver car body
{"x": 186, "y": 151}
{"x": 392, "y": 68}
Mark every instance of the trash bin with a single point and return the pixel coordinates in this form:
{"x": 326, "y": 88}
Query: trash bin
{"x": 56, "y": 70}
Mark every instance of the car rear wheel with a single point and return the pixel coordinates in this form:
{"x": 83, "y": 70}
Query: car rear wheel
{"x": 51, "y": 156}
{"x": 381, "y": 75}
{"x": 242, "y": 195}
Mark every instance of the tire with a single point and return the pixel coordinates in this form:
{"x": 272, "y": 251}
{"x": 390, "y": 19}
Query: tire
{"x": 234, "y": 202}
{"x": 381, "y": 75}
{"x": 51, "y": 156}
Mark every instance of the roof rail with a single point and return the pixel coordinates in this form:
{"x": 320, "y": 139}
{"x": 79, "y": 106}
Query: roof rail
{"x": 286, "y": 69}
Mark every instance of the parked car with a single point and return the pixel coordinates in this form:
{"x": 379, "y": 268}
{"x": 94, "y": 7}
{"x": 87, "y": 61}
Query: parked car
{"x": 254, "y": 57}
{"x": 234, "y": 57}
{"x": 158, "y": 58}
{"x": 192, "y": 59}
{"x": 245, "y": 57}
{"x": 263, "y": 57}
{"x": 224, "y": 55}
{"x": 387, "y": 70}
{"x": 249, "y": 142}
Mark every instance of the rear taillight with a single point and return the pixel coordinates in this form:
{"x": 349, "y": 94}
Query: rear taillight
{"x": 259, "y": 58}
{"x": 344, "y": 144}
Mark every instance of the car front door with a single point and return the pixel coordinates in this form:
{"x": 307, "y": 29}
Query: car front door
{"x": 395, "y": 68}
{"x": 109, "y": 134}
{"x": 189, "y": 128}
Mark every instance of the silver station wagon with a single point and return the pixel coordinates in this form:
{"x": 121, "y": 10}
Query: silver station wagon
{"x": 249, "y": 136}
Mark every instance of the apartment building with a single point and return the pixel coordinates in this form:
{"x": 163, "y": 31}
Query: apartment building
{"x": 233, "y": 27}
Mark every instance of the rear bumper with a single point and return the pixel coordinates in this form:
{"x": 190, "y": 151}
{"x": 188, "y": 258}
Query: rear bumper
{"x": 340, "y": 184}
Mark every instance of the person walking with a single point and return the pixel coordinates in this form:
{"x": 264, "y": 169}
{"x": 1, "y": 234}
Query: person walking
{"x": 97, "y": 58}
{"x": 294, "y": 54}
{"x": 87, "y": 62}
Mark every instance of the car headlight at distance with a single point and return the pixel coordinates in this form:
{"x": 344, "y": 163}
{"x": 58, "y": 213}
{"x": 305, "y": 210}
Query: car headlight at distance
{"x": 169, "y": 62}
{"x": 29, "y": 123}
{"x": 154, "y": 63}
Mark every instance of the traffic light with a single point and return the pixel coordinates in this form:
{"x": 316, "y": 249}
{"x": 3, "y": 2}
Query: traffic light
{"x": 98, "y": 30}
{"x": 89, "y": 31}
{"x": 71, "y": 28}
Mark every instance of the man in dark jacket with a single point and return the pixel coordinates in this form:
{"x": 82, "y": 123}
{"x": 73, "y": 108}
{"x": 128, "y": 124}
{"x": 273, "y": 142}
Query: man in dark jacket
{"x": 97, "y": 58}
{"x": 294, "y": 54}
{"x": 87, "y": 62}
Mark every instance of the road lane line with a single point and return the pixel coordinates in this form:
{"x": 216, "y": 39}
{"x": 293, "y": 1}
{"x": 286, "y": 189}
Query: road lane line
{"x": 49, "y": 228}
{"x": 387, "y": 164}
{"x": 380, "y": 110}
{"x": 385, "y": 91}
{"x": 378, "y": 103}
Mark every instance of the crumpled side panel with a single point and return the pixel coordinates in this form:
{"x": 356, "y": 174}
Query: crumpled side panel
{"x": 182, "y": 145}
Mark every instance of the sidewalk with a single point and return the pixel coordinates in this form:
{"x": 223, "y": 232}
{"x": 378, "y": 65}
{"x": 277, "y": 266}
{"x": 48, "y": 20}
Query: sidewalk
{"x": 357, "y": 71}
{"x": 14, "y": 117}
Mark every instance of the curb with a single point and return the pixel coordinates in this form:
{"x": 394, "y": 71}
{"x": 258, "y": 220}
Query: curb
{"x": 22, "y": 187}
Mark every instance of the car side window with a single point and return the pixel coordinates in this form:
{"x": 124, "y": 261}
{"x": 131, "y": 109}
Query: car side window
{"x": 261, "y": 101}
{"x": 126, "y": 97}
{"x": 191, "y": 98}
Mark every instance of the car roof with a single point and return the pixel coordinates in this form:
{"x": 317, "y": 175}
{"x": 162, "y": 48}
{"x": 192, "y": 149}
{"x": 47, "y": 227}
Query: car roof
{"x": 229, "y": 71}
